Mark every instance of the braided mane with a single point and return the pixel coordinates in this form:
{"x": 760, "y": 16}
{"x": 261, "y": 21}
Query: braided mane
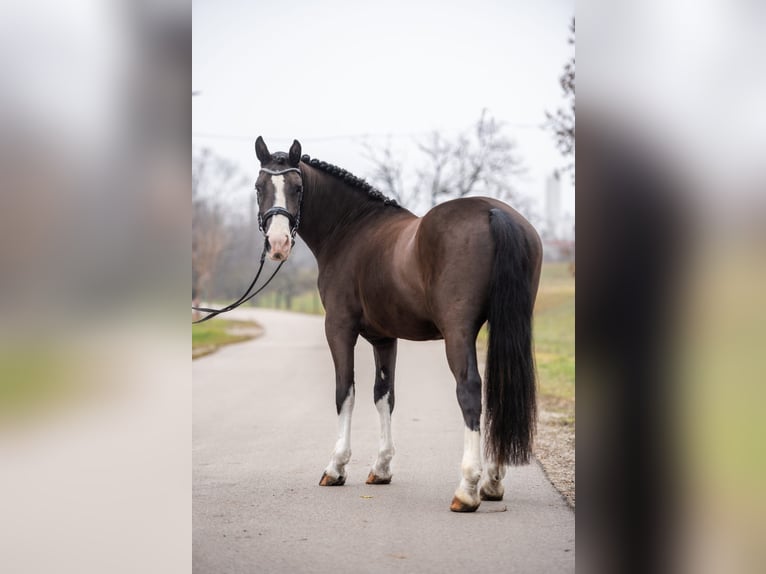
{"x": 349, "y": 178}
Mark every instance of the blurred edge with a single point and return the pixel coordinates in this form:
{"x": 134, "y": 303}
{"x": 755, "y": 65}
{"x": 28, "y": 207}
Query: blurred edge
{"x": 95, "y": 401}
{"x": 671, "y": 253}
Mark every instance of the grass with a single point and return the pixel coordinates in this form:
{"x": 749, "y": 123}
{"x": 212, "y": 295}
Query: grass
{"x": 209, "y": 337}
{"x": 307, "y": 302}
{"x": 554, "y": 326}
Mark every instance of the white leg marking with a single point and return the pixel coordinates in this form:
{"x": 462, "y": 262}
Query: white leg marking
{"x": 382, "y": 466}
{"x": 280, "y": 225}
{"x": 492, "y": 484}
{"x": 342, "y": 453}
{"x": 471, "y": 468}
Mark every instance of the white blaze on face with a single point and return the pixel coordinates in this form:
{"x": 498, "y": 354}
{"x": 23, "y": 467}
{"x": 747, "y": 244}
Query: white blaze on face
{"x": 279, "y": 226}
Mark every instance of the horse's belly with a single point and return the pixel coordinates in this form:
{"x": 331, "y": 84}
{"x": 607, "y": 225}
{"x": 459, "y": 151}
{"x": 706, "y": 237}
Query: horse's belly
{"x": 398, "y": 324}
{"x": 392, "y": 294}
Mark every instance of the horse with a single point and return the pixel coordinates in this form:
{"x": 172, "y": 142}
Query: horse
{"x": 386, "y": 274}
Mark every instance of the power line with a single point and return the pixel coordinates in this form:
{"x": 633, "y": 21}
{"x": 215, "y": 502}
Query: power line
{"x": 207, "y": 135}
{"x": 240, "y": 137}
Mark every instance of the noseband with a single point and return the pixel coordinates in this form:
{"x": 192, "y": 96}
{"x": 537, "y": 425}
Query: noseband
{"x": 294, "y": 220}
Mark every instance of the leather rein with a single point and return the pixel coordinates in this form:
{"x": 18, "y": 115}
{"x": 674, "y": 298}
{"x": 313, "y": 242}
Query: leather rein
{"x": 262, "y": 221}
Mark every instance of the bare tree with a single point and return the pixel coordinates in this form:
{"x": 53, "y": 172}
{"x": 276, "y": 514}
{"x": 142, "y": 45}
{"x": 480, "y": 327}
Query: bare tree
{"x": 485, "y": 163}
{"x": 387, "y": 171}
{"x": 208, "y": 240}
{"x": 439, "y": 153}
{"x": 482, "y": 161}
{"x": 562, "y": 123}
{"x": 212, "y": 177}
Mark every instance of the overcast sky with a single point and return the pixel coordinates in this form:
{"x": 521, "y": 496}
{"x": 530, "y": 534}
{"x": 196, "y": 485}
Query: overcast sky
{"x": 329, "y": 73}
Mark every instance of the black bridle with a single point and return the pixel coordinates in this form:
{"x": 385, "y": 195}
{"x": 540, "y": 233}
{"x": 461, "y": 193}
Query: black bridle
{"x": 295, "y": 220}
{"x": 263, "y": 219}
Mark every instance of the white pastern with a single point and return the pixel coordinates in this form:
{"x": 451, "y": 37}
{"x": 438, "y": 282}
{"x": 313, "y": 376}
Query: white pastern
{"x": 382, "y": 466}
{"x": 342, "y": 453}
{"x": 470, "y": 467}
{"x": 280, "y": 225}
{"x": 492, "y": 484}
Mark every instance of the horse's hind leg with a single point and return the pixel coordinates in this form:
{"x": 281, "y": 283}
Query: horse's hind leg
{"x": 385, "y": 364}
{"x": 492, "y": 486}
{"x": 461, "y": 355}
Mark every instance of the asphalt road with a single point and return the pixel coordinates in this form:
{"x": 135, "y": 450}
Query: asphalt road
{"x": 264, "y": 428}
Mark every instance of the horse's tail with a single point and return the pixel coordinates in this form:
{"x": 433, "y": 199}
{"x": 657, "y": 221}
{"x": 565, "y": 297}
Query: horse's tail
{"x": 510, "y": 372}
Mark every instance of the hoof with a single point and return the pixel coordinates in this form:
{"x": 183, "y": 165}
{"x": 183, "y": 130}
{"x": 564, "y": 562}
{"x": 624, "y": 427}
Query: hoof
{"x": 328, "y": 480}
{"x": 372, "y": 478}
{"x": 490, "y": 495}
{"x": 460, "y": 506}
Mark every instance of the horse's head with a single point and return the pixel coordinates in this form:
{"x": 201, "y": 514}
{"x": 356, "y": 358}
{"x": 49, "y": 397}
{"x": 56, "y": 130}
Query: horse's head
{"x": 280, "y": 190}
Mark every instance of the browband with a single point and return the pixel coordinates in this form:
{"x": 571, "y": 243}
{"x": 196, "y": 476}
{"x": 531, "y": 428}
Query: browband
{"x": 282, "y": 171}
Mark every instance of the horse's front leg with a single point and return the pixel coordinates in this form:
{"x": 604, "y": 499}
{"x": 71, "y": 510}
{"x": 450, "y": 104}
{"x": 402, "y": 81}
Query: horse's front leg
{"x": 341, "y": 341}
{"x": 385, "y": 364}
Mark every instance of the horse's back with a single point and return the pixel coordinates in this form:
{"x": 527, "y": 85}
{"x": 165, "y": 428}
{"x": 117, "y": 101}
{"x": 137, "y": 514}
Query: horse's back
{"x": 471, "y": 213}
{"x": 419, "y": 277}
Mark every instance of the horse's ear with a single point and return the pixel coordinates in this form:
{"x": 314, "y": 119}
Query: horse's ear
{"x": 294, "y": 157}
{"x": 261, "y": 151}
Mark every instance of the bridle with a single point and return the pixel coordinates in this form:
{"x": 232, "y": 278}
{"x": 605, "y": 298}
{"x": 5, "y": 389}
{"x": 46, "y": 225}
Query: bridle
{"x": 263, "y": 219}
{"x": 295, "y": 220}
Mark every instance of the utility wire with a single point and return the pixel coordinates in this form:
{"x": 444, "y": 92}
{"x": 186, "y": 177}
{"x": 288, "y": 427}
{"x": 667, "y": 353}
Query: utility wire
{"x": 220, "y": 136}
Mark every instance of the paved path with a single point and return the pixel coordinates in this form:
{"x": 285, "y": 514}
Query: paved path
{"x": 264, "y": 428}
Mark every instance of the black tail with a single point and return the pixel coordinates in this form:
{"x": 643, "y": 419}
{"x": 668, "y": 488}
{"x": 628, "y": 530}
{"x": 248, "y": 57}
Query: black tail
{"x": 510, "y": 376}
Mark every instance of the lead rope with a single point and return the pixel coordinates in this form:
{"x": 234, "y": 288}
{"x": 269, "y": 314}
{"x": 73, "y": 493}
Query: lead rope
{"x": 245, "y": 297}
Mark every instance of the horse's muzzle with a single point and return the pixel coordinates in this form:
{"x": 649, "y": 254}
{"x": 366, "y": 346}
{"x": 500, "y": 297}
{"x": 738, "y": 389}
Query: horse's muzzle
{"x": 279, "y": 247}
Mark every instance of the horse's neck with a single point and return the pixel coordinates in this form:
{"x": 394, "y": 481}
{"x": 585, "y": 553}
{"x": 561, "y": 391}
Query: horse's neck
{"x": 331, "y": 211}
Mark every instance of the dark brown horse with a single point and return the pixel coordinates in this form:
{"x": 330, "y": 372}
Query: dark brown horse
{"x": 387, "y": 274}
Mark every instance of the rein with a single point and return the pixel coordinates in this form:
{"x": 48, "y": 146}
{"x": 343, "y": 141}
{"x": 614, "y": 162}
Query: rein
{"x": 262, "y": 219}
